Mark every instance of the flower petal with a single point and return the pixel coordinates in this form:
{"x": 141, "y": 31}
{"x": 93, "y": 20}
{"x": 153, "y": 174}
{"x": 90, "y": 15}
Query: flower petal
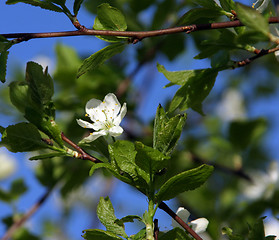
{"x": 85, "y": 124}
{"x": 94, "y": 109}
{"x": 112, "y": 105}
{"x": 184, "y": 214}
{"x": 115, "y": 131}
{"x": 93, "y": 136}
{"x": 199, "y": 225}
{"x": 121, "y": 115}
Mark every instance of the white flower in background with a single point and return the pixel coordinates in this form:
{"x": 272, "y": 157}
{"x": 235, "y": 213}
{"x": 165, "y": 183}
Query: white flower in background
{"x": 232, "y": 106}
{"x": 106, "y": 117}
{"x": 7, "y": 165}
{"x": 263, "y": 183}
{"x": 199, "y": 225}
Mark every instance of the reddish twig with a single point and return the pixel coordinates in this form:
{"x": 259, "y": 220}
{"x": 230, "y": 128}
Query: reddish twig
{"x": 259, "y": 54}
{"x": 165, "y": 208}
{"x": 156, "y": 229}
{"x": 26, "y": 216}
{"x": 135, "y": 36}
{"x": 83, "y": 154}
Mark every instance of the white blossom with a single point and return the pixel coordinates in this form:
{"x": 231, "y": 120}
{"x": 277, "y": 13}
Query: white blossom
{"x": 8, "y": 165}
{"x": 106, "y": 116}
{"x": 199, "y": 225}
{"x": 263, "y": 183}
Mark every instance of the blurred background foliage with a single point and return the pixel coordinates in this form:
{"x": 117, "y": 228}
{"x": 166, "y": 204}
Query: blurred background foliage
{"x": 237, "y": 135}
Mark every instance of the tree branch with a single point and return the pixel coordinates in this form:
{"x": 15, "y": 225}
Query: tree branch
{"x": 16, "y": 225}
{"x": 165, "y": 208}
{"x": 260, "y": 53}
{"x": 134, "y": 35}
{"x": 83, "y": 154}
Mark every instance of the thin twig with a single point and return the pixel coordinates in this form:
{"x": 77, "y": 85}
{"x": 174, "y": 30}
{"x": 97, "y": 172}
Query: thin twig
{"x": 16, "y": 225}
{"x": 83, "y": 154}
{"x": 135, "y": 36}
{"x": 165, "y": 208}
{"x": 261, "y": 53}
{"x": 237, "y": 172}
{"x": 156, "y": 229}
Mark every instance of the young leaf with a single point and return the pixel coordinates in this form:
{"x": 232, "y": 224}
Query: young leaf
{"x": 253, "y": 19}
{"x": 37, "y": 3}
{"x": 196, "y": 85}
{"x": 185, "y": 181}
{"x": 4, "y": 47}
{"x": 22, "y": 137}
{"x": 175, "y": 234}
{"x": 98, "y": 58}
{"x": 149, "y": 159}
{"x": 48, "y": 155}
{"x": 230, "y": 234}
{"x": 257, "y": 231}
{"x": 109, "y": 18}
{"x": 167, "y": 131}
{"x": 41, "y": 84}
{"x": 94, "y": 234}
{"x": 77, "y": 5}
{"x": 129, "y": 218}
{"x": 3, "y": 64}
{"x": 227, "y": 5}
{"x": 106, "y": 215}
{"x": 123, "y": 157}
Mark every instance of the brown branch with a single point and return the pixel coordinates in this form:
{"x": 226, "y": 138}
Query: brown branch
{"x": 165, "y": 208}
{"x": 83, "y": 154}
{"x": 16, "y": 225}
{"x": 135, "y": 36}
{"x": 237, "y": 172}
{"x": 259, "y": 54}
{"x": 156, "y": 229}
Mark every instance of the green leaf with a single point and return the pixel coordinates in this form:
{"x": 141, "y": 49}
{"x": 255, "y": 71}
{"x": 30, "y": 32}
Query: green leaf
{"x": 196, "y": 85}
{"x": 37, "y": 3}
{"x": 129, "y": 218}
{"x": 227, "y": 5}
{"x": 257, "y": 231}
{"x": 77, "y": 5}
{"x": 211, "y": 4}
{"x": 198, "y": 15}
{"x": 94, "y": 234}
{"x": 175, "y": 234}
{"x": 98, "y": 58}
{"x": 230, "y": 234}
{"x": 149, "y": 159}
{"x": 123, "y": 157}
{"x": 141, "y": 235}
{"x": 109, "y": 18}
{"x": 3, "y": 64}
{"x": 106, "y": 215}
{"x": 41, "y": 84}
{"x": 48, "y": 155}
{"x": 17, "y": 188}
{"x": 167, "y": 131}
{"x": 22, "y": 137}
{"x": 242, "y": 133}
{"x": 252, "y": 18}
{"x": 185, "y": 181}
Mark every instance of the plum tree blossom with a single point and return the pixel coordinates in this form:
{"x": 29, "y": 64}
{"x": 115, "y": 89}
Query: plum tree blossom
{"x": 199, "y": 225}
{"x": 106, "y": 116}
